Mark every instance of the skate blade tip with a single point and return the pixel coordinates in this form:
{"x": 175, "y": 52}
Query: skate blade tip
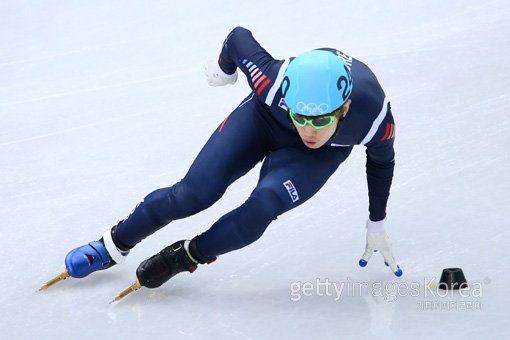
{"x": 119, "y": 297}
{"x": 116, "y": 299}
{"x": 133, "y": 288}
{"x": 64, "y": 275}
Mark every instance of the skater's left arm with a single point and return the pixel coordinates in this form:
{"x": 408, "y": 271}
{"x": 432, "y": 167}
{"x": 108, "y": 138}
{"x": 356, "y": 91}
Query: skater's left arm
{"x": 380, "y": 165}
{"x": 379, "y": 168}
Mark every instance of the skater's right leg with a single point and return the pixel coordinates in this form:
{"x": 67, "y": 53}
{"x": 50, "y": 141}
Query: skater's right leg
{"x": 234, "y": 148}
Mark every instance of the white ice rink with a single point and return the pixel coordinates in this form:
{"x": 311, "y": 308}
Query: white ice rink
{"x": 102, "y": 102}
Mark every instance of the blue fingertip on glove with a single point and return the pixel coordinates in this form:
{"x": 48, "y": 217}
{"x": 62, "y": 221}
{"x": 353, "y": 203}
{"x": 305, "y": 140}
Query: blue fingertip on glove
{"x": 399, "y": 272}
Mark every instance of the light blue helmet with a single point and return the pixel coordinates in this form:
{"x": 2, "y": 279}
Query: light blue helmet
{"x": 316, "y": 83}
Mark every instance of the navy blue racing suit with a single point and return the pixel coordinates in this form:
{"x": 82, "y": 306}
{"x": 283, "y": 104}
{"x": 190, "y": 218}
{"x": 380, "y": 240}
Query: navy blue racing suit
{"x": 259, "y": 129}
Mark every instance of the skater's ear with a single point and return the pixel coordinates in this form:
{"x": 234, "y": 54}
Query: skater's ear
{"x": 342, "y": 110}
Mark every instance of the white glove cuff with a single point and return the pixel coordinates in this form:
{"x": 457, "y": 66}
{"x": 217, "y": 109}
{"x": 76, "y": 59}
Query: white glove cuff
{"x": 215, "y": 75}
{"x": 375, "y": 227}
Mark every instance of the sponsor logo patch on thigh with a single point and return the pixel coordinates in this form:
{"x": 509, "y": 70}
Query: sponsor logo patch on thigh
{"x": 291, "y": 189}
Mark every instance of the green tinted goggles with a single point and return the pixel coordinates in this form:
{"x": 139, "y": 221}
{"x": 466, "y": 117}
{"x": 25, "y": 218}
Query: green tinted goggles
{"x": 318, "y": 122}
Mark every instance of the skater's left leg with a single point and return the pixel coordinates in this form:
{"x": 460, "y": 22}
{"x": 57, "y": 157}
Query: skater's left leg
{"x": 289, "y": 177}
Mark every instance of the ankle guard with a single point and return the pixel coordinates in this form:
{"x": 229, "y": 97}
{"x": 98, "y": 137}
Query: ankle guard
{"x": 195, "y": 254}
{"x": 117, "y": 255}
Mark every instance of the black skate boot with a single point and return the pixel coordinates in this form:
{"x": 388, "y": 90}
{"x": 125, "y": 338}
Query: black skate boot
{"x": 181, "y": 256}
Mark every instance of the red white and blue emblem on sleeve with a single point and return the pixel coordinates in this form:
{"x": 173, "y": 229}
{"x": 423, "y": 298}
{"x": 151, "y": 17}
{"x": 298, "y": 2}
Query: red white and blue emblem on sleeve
{"x": 389, "y": 132}
{"x": 258, "y": 78}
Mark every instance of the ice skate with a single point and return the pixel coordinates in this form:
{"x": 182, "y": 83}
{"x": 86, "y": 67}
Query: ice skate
{"x": 169, "y": 262}
{"x": 87, "y": 259}
{"x": 179, "y": 257}
{"x": 91, "y": 257}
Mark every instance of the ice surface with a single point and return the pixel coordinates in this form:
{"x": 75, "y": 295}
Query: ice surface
{"x": 103, "y": 101}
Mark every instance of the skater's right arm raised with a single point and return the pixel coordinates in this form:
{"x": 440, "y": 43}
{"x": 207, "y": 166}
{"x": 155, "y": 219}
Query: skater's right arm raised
{"x": 241, "y": 50}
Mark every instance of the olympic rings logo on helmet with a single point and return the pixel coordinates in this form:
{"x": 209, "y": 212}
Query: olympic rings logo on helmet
{"x": 312, "y": 109}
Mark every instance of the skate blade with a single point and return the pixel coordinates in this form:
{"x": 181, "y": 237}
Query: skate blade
{"x": 134, "y": 287}
{"x": 56, "y": 279}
